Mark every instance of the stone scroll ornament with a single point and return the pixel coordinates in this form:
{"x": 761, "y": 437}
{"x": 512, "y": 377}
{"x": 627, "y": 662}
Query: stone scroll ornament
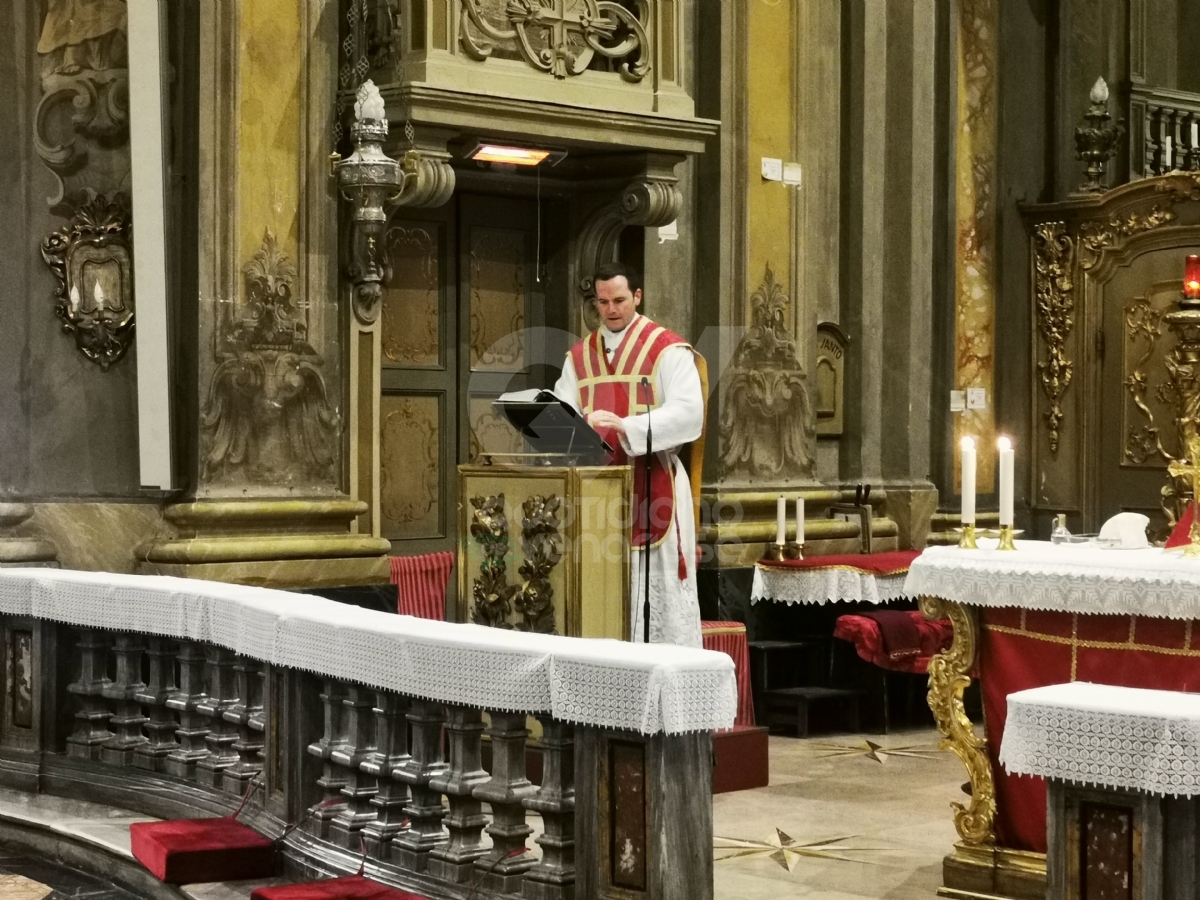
{"x": 492, "y": 593}
{"x": 540, "y": 540}
{"x": 92, "y": 261}
{"x": 768, "y": 423}
{"x": 562, "y": 37}
{"x": 268, "y": 416}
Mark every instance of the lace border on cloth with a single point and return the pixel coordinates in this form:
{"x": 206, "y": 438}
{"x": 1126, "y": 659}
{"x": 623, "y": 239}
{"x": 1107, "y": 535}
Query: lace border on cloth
{"x": 1061, "y": 578}
{"x": 1113, "y": 737}
{"x": 608, "y": 684}
{"x": 821, "y": 586}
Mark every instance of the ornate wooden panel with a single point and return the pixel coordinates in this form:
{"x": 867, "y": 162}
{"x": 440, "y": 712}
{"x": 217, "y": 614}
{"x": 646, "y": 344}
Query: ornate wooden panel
{"x": 410, "y": 465}
{"x": 490, "y": 431}
{"x": 1108, "y": 861}
{"x": 498, "y": 257}
{"x": 412, "y": 301}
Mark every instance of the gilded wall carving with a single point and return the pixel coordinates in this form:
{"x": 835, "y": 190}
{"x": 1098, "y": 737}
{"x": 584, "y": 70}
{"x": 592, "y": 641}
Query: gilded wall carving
{"x": 1054, "y": 295}
{"x": 767, "y": 422}
{"x": 82, "y": 120}
{"x": 411, "y": 330}
{"x": 1143, "y": 440}
{"x": 409, "y": 466}
{"x": 560, "y": 37}
{"x": 91, "y": 259}
{"x": 268, "y": 418}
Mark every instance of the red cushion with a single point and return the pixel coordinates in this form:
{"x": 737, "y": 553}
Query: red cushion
{"x": 354, "y": 887}
{"x": 187, "y": 851}
{"x": 935, "y": 637}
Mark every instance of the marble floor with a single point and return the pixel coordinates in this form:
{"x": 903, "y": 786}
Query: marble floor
{"x": 845, "y": 817}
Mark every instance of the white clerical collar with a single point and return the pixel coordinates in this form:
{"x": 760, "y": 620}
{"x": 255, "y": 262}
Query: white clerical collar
{"x": 612, "y": 339}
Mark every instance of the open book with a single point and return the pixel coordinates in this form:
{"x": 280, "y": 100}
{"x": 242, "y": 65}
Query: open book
{"x": 552, "y": 426}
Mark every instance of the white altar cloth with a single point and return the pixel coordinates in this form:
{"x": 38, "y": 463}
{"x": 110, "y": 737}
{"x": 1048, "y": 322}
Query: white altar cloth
{"x": 1116, "y": 737}
{"x": 609, "y": 684}
{"x": 1076, "y": 578}
{"x": 821, "y": 586}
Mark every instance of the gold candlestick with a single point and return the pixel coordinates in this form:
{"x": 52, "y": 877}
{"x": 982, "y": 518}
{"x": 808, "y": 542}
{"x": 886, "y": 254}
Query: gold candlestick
{"x": 775, "y": 552}
{"x": 1006, "y": 538}
{"x": 793, "y": 550}
{"x": 967, "y": 540}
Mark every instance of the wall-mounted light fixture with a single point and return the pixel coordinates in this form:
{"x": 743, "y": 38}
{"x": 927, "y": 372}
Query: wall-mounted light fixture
{"x": 508, "y": 154}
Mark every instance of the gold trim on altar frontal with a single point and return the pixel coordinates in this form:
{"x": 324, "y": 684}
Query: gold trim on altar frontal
{"x": 949, "y": 676}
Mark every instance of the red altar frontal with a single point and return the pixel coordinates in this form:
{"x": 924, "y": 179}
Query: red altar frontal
{"x": 1041, "y": 615}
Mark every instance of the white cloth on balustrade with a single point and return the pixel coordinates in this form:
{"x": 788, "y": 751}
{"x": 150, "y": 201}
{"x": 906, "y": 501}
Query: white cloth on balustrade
{"x": 776, "y": 584}
{"x": 1061, "y": 577}
{"x": 608, "y": 684}
{"x": 1116, "y": 737}
{"x": 674, "y": 603}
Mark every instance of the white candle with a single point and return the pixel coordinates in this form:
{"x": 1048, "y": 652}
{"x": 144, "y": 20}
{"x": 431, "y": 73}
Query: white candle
{"x": 1195, "y": 135}
{"x": 1168, "y": 154}
{"x": 781, "y": 521}
{"x": 1007, "y": 456}
{"x": 968, "y": 481}
{"x": 799, "y": 520}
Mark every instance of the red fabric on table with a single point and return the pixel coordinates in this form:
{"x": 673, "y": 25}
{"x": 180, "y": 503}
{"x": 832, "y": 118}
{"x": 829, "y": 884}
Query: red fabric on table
{"x": 1018, "y": 653}
{"x": 421, "y": 584}
{"x": 187, "y": 851}
{"x": 896, "y": 562}
{"x": 1182, "y": 532}
{"x": 354, "y": 887}
{"x": 934, "y": 636}
{"x": 730, "y": 638}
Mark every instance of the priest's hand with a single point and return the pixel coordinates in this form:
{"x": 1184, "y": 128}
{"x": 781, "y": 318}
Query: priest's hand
{"x": 602, "y": 418}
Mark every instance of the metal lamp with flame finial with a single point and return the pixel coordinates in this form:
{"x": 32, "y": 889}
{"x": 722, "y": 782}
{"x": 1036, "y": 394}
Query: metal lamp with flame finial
{"x": 1096, "y": 142}
{"x": 372, "y": 181}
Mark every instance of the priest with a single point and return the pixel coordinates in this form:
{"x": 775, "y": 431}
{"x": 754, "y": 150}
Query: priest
{"x": 634, "y": 379}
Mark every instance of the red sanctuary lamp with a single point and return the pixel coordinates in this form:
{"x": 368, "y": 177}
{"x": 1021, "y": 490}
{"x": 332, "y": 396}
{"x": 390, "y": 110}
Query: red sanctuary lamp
{"x": 1191, "y": 278}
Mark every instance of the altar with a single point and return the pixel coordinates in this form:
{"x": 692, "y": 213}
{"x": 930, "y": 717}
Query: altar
{"x": 1040, "y": 615}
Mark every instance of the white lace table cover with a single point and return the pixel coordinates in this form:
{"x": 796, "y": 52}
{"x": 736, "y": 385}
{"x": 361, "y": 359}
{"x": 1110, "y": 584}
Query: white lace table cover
{"x": 609, "y": 684}
{"x": 1061, "y": 577}
{"x": 1114, "y": 737}
{"x": 820, "y": 586}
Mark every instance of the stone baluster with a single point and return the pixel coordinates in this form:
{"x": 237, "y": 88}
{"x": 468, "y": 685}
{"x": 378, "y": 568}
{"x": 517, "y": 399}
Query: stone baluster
{"x": 554, "y": 877}
{"x": 333, "y": 777}
{"x": 161, "y": 723}
{"x": 503, "y": 868}
{"x": 391, "y": 752}
{"x": 360, "y": 788}
{"x": 248, "y": 680}
{"x": 193, "y": 725}
{"x": 258, "y": 724}
{"x": 455, "y": 862}
{"x": 91, "y": 717}
{"x": 425, "y": 812}
{"x": 222, "y": 735}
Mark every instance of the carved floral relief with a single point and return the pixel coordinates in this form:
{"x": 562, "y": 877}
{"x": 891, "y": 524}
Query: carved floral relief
{"x": 767, "y": 423}
{"x": 268, "y": 417}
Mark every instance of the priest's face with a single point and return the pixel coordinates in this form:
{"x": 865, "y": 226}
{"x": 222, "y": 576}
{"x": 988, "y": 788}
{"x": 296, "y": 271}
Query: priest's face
{"x": 615, "y": 303}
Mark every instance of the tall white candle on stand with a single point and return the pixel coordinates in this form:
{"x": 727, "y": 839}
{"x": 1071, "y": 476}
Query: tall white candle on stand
{"x": 799, "y": 520}
{"x": 968, "y": 481}
{"x": 781, "y": 521}
{"x": 1007, "y": 457}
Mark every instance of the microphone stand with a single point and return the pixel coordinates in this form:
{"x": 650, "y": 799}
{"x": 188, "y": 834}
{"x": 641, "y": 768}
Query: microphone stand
{"x": 646, "y": 518}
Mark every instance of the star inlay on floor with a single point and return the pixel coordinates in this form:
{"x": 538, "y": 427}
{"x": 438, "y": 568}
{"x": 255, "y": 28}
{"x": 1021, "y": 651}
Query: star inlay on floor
{"x": 787, "y": 852}
{"x": 873, "y": 751}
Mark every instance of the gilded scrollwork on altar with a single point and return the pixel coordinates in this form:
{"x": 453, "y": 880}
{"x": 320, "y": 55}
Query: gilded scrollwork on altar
{"x": 268, "y": 417}
{"x": 92, "y": 261}
{"x": 767, "y": 420}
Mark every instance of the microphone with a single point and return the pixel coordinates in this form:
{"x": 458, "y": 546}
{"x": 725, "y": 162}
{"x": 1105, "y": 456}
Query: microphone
{"x": 646, "y": 547}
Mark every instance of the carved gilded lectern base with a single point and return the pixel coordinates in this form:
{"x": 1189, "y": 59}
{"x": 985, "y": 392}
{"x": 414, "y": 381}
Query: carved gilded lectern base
{"x": 545, "y": 549}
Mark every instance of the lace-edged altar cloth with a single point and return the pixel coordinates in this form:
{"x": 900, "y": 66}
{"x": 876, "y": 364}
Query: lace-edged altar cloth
{"x": 1070, "y": 578}
{"x": 1113, "y": 737}
{"x": 876, "y": 578}
{"x": 609, "y": 684}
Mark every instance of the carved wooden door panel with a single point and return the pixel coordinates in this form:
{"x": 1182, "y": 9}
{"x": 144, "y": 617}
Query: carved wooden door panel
{"x": 1137, "y": 404}
{"x": 419, "y": 416}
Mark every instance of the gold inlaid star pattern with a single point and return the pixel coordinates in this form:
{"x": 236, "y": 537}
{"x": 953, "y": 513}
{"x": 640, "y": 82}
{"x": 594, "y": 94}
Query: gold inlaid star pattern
{"x": 17, "y": 887}
{"x": 784, "y": 849}
{"x": 873, "y": 751}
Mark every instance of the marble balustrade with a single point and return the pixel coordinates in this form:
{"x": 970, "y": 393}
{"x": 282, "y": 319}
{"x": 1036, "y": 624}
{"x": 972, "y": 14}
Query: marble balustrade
{"x": 343, "y": 772}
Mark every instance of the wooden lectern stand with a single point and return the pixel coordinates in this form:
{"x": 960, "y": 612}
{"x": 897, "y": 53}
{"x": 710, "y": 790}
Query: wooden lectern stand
{"x": 545, "y": 547}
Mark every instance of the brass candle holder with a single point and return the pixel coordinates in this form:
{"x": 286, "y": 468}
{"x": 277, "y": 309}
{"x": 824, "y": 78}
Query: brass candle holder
{"x": 793, "y": 550}
{"x": 1006, "y": 538}
{"x": 966, "y": 540}
{"x": 775, "y": 552}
